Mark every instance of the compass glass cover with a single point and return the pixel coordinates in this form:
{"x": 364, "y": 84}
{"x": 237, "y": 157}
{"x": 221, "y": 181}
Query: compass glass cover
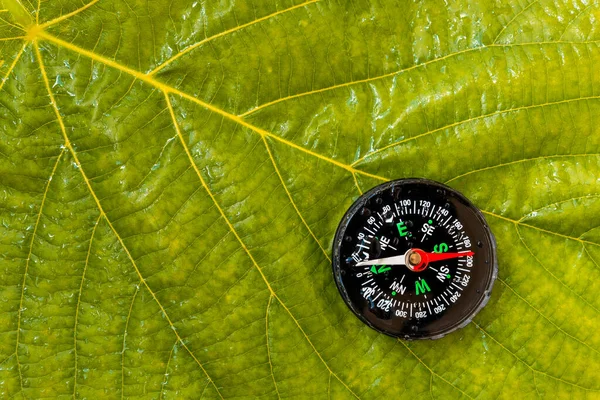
{"x": 414, "y": 259}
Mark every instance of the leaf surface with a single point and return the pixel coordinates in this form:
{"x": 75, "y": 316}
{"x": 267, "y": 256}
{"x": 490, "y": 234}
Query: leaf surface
{"x": 172, "y": 174}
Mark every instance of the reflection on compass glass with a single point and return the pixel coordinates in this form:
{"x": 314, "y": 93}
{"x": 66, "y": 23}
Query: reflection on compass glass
{"x": 414, "y": 259}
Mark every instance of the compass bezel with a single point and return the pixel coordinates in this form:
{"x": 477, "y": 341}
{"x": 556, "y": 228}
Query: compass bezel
{"x": 474, "y": 216}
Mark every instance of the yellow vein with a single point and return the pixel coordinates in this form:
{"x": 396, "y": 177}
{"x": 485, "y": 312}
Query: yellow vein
{"x": 356, "y": 82}
{"x": 19, "y": 13}
{"x": 537, "y": 391}
{"x": 164, "y": 382}
{"x": 593, "y": 4}
{"x": 8, "y": 358}
{"x": 313, "y": 346}
{"x": 101, "y": 209}
{"x": 87, "y": 259}
{"x": 292, "y": 200}
{"x": 207, "y": 189}
{"x": 466, "y": 121}
{"x": 356, "y": 183}
{"x": 529, "y": 366}
{"x": 588, "y": 231}
{"x": 168, "y": 89}
{"x": 407, "y": 69}
{"x": 431, "y": 386}
{"x": 513, "y": 19}
{"x": 35, "y": 227}
{"x": 589, "y": 255}
{"x": 431, "y": 370}
{"x": 204, "y": 41}
{"x": 550, "y": 272}
{"x": 239, "y": 239}
{"x": 546, "y": 318}
{"x": 137, "y": 289}
{"x": 522, "y": 161}
{"x": 19, "y": 27}
{"x": 6, "y": 39}
{"x": 589, "y": 196}
{"x": 268, "y": 347}
{"x": 37, "y": 12}
{"x": 514, "y": 221}
{"x": 69, "y": 15}
{"x": 12, "y": 66}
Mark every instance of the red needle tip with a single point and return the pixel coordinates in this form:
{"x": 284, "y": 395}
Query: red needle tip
{"x": 431, "y": 257}
{"x": 426, "y": 258}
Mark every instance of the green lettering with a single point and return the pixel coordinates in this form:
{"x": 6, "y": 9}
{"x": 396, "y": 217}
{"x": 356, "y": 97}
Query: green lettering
{"x": 421, "y": 287}
{"x": 383, "y": 269}
{"x": 440, "y": 248}
{"x": 380, "y": 270}
{"x": 402, "y": 229}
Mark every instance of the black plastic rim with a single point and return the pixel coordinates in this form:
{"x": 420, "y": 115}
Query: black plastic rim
{"x": 470, "y": 310}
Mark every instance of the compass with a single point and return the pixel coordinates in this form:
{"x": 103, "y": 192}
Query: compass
{"x": 414, "y": 259}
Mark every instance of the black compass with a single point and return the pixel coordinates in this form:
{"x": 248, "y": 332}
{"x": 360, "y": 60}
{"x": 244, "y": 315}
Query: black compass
{"x": 414, "y": 259}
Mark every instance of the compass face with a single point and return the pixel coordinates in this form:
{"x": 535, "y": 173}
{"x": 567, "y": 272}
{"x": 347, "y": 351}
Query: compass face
{"x": 414, "y": 259}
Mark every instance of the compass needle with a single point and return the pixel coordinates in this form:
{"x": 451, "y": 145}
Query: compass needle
{"x": 396, "y": 260}
{"x": 414, "y": 259}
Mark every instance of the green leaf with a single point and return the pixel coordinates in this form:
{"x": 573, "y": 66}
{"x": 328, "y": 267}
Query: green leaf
{"x": 172, "y": 174}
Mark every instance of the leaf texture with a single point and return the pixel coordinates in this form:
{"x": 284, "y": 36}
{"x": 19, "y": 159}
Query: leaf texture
{"x": 172, "y": 174}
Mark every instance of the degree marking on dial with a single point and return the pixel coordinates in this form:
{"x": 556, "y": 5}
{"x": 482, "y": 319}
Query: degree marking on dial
{"x": 462, "y": 269}
{"x": 456, "y": 286}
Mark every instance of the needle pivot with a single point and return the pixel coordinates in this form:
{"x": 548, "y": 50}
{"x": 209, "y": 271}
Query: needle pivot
{"x": 414, "y": 259}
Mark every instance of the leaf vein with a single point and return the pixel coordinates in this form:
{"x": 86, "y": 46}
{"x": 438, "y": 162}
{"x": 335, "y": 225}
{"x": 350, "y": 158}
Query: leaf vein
{"x": 550, "y": 272}
{"x": 137, "y": 289}
{"x": 431, "y": 371}
{"x": 268, "y": 346}
{"x": 292, "y": 200}
{"x": 466, "y": 121}
{"x": 534, "y": 370}
{"x": 226, "y": 32}
{"x": 30, "y": 252}
{"x": 12, "y": 65}
{"x": 241, "y": 242}
{"x": 87, "y": 259}
{"x": 168, "y": 89}
{"x": 410, "y": 68}
{"x": 68, "y": 145}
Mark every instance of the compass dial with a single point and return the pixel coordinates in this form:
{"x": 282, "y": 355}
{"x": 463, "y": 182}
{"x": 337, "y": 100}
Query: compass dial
{"x": 414, "y": 259}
